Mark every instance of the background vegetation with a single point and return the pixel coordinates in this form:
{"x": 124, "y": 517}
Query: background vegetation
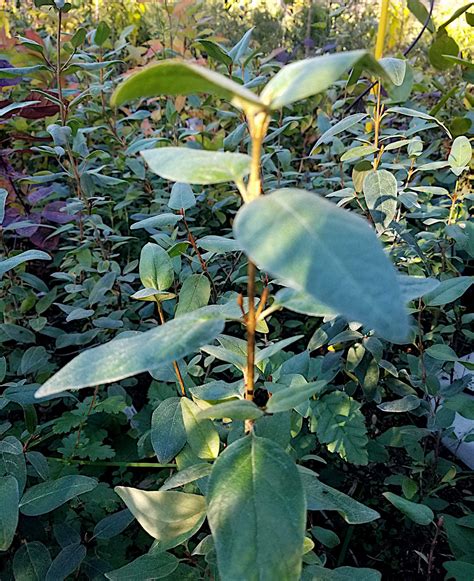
{"x": 97, "y": 244}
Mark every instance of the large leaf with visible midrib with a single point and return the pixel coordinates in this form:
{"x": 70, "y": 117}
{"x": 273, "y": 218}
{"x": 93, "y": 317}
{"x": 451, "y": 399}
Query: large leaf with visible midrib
{"x": 257, "y": 512}
{"x": 380, "y": 192}
{"x": 311, "y": 76}
{"x": 195, "y": 166}
{"x": 330, "y": 253}
{"x": 9, "y": 498}
{"x": 166, "y": 516}
{"x": 47, "y": 496}
{"x": 122, "y": 358}
{"x": 175, "y": 77}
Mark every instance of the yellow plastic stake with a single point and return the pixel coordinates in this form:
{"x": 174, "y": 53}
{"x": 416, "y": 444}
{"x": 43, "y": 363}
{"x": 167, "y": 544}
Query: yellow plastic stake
{"x": 380, "y": 42}
{"x": 382, "y": 29}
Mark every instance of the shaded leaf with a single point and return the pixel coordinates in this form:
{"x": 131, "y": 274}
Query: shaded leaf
{"x": 255, "y": 488}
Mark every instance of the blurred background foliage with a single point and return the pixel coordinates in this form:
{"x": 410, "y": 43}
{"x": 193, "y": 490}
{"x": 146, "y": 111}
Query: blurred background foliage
{"x": 299, "y": 26}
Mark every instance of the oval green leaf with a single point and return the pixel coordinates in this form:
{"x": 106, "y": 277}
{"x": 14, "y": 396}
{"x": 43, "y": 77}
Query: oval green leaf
{"x": 9, "y": 498}
{"x": 14, "y": 261}
{"x": 419, "y": 513}
{"x": 202, "y": 436}
{"x": 291, "y": 397}
{"x": 256, "y": 511}
{"x": 168, "y": 435}
{"x": 47, "y": 496}
{"x": 380, "y": 192}
{"x": 155, "y": 268}
{"x": 151, "y": 566}
{"x": 196, "y": 166}
{"x": 236, "y": 409}
{"x": 194, "y": 294}
{"x": 175, "y": 77}
{"x": 340, "y": 260}
{"x": 167, "y": 515}
{"x": 308, "y": 77}
{"x": 122, "y": 358}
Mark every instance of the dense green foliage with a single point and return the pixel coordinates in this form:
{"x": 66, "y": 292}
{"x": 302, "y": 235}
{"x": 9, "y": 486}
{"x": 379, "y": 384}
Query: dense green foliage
{"x": 258, "y": 277}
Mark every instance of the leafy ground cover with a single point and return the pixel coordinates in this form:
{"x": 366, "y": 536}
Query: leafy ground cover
{"x": 235, "y": 304}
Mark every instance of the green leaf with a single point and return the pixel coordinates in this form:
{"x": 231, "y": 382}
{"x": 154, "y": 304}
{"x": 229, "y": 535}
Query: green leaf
{"x": 21, "y": 71}
{"x": 256, "y": 512}
{"x": 47, "y": 496}
{"x": 320, "y": 496}
{"x": 341, "y": 425}
{"x": 417, "y": 114}
{"x": 31, "y": 562}
{"x": 196, "y": 166}
{"x": 201, "y": 434}
{"x": 187, "y": 475}
{"x": 339, "y": 127}
{"x": 291, "y": 397}
{"x": 414, "y": 287}
{"x": 460, "y": 155}
{"x": 151, "y": 294}
{"x": 101, "y": 34}
{"x": 419, "y": 513}
{"x": 395, "y": 69}
{"x": 457, "y": 13}
{"x": 168, "y": 435}
{"x": 156, "y": 268}
{"x": 236, "y": 410}
{"x": 461, "y": 403}
{"x": 194, "y": 294}
{"x": 459, "y": 570}
{"x": 113, "y": 524}
{"x": 66, "y": 562}
{"x": 9, "y": 498}
{"x": 175, "y": 77}
{"x": 218, "y": 244}
{"x": 314, "y": 572}
{"x": 358, "y": 152}
{"x": 14, "y": 107}
{"x": 150, "y": 566}
{"x": 326, "y": 537}
{"x": 122, "y": 358}
{"x": 441, "y": 46}
{"x": 340, "y": 260}
{"x": 405, "y": 404}
{"x": 301, "y": 302}
{"x": 166, "y": 516}
{"x": 160, "y": 221}
{"x": 380, "y": 192}
{"x": 215, "y": 51}
{"x": 14, "y": 261}
{"x": 79, "y": 37}
{"x": 308, "y": 77}
{"x": 182, "y": 197}
{"x": 442, "y": 352}
{"x": 448, "y": 291}
{"x": 419, "y": 10}
{"x": 241, "y": 47}
{"x": 3, "y": 201}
